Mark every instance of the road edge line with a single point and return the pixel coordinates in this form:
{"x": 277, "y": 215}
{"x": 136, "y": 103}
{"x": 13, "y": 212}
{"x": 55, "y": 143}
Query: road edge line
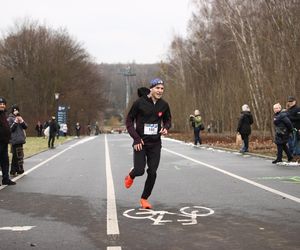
{"x": 274, "y": 191}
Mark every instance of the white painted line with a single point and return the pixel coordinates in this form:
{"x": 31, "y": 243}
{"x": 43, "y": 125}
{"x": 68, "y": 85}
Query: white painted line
{"x": 49, "y": 159}
{"x": 274, "y": 191}
{"x": 113, "y": 248}
{"x": 17, "y": 228}
{"x": 112, "y": 219}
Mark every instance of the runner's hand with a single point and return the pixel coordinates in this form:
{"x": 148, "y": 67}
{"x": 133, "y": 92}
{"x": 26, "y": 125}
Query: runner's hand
{"x": 163, "y": 131}
{"x": 139, "y": 147}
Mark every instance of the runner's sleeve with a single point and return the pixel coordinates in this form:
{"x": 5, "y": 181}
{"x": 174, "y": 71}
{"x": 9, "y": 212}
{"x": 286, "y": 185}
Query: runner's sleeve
{"x": 167, "y": 118}
{"x": 130, "y": 119}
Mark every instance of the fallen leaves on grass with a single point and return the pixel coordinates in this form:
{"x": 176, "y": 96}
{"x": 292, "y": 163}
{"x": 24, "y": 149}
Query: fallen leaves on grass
{"x": 258, "y": 144}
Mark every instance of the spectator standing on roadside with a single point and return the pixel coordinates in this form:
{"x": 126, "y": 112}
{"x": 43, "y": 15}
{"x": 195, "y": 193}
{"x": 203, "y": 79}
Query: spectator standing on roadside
{"x": 64, "y": 129}
{"x": 4, "y": 140}
{"x": 39, "y": 129}
{"x": 283, "y": 128}
{"x": 53, "y": 130}
{"x": 149, "y": 118}
{"x": 89, "y": 129}
{"x": 18, "y": 138}
{"x": 77, "y": 128}
{"x": 293, "y": 112}
{"x": 196, "y": 121}
{"x": 97, "y": 129}
{"x": 244, "y": 127}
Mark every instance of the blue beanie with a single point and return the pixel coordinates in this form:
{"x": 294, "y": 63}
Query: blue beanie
{"x": 155, "y": 82}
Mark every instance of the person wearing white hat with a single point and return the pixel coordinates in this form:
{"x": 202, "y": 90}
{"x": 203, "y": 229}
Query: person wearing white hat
{"x": 283, "y": 128}
{"x": 244, "y": 127}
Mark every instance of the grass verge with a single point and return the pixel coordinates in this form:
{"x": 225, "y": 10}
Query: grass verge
{"x": 35, "y": 145}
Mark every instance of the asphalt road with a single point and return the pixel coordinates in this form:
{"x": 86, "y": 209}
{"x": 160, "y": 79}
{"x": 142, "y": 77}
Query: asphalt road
{"x": 73, "y": 197}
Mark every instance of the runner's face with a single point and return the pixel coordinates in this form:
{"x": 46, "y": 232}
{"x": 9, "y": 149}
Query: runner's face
{"x": 157, "y": 91}
{"x": 2, "y": 106}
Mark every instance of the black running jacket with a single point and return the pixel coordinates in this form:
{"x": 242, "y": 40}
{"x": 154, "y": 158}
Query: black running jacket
{"x": 145, "y": 119}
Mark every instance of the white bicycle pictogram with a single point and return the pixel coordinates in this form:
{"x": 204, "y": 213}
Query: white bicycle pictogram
{"x": 190, "y": 215}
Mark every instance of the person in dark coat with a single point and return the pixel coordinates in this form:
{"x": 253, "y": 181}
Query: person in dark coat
{"x": 39, "y": 129}
{"x": 53, "y": 129}
{"x": 77, "y": 129}
{"x": 5, "y": 135}
{"x": 18, "y": 138}
{"x": 244, "y": 127}
{"x": 293, "y": 112}
{"x": 283, "y": 128}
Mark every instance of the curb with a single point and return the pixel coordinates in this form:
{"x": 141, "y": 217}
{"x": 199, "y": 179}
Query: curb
{"x": 236, "y": 151}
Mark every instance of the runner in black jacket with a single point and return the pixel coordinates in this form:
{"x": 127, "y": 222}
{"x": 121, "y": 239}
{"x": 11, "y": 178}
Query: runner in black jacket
{"x": 148, "y": 119}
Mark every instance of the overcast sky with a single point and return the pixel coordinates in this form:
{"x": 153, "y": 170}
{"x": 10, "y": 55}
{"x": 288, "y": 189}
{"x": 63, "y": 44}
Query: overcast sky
{"x": 111, "y": 31}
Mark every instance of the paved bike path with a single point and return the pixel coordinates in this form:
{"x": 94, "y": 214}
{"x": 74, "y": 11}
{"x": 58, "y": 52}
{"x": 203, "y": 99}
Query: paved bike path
{"x": 203, "y": 199}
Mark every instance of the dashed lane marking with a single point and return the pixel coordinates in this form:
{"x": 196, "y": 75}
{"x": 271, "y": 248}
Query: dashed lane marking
{"x": 17, "y": 228}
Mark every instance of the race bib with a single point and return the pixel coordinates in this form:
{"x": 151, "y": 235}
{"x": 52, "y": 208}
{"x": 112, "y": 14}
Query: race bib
{"x": 150, "y": 129}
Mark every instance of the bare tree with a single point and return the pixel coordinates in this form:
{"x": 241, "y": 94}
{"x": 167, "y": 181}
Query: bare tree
{"x": 44, "y": 61}
{"x": 237, "y": 52}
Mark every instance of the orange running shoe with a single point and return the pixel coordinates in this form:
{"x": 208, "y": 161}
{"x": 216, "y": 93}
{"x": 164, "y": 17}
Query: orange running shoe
{"x": 128, "y": 181}
{"x": 145, "y": 204}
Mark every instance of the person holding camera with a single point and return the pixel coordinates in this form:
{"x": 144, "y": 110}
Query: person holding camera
{"x": 18, "y": 138}
{"x": 196, "y": 121}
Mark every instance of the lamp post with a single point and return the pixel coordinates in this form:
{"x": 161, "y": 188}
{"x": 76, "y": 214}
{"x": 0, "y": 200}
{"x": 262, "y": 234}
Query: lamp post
{"x": 127, "y": 73}
{"x": 56, "y": 95}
